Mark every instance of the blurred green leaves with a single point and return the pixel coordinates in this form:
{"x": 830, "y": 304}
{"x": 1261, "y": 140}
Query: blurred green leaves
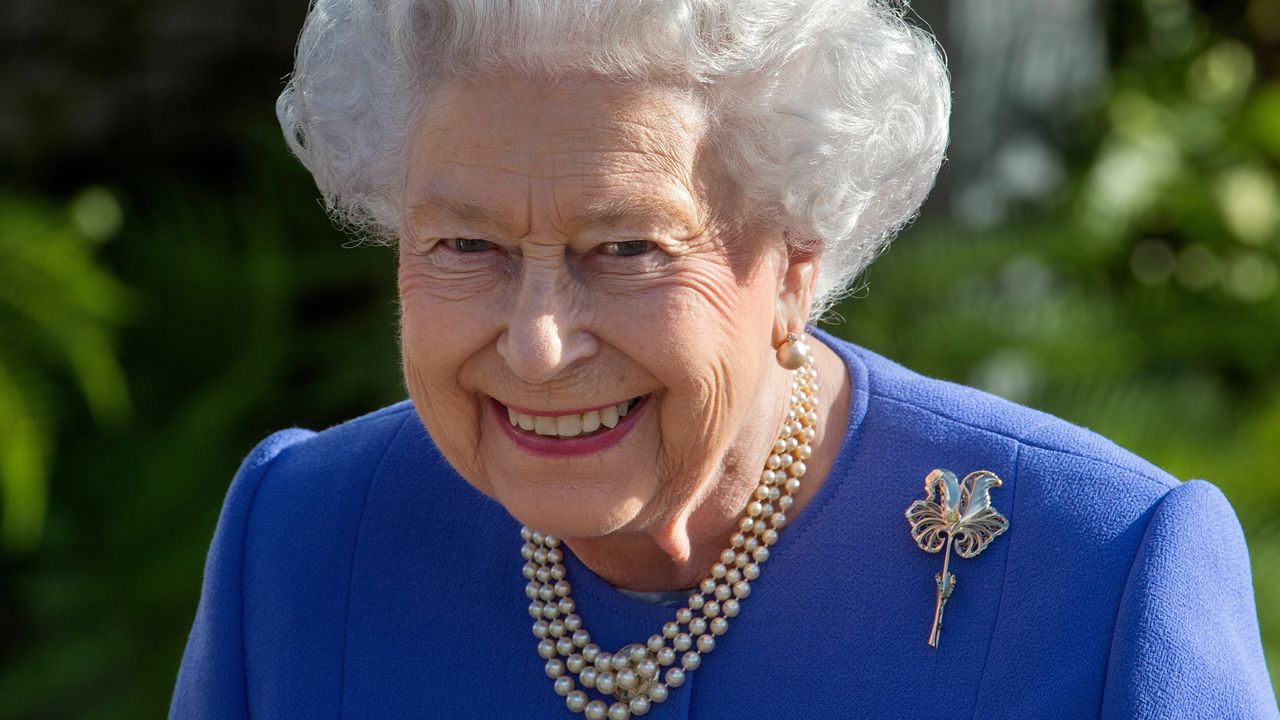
{"x": 59, "y": 310}
{"x": 246, "y": 314}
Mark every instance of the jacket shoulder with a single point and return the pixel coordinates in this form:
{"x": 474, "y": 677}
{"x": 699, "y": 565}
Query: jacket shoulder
{"x": 344, "y": 446}
{"x": 1061, "y": 447}
{"x": 318, "y": 478}
{"x": 280, "y": 562}
{"x": 1064, "y": 486}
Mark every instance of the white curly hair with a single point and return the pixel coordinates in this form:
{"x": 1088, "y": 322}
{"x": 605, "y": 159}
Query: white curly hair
{"x": 829, "y": 115}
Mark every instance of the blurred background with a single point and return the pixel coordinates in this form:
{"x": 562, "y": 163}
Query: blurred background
{"x": 1103, "y": 244}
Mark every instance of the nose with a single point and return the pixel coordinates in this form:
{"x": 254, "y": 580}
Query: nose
{"x": 544, "y": 337}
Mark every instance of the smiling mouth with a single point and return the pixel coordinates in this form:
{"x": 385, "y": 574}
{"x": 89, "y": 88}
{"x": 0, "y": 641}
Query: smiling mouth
{"x": 571, "y": 425}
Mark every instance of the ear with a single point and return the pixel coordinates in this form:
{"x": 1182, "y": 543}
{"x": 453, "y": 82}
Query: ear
{"x": 798, "y": 278}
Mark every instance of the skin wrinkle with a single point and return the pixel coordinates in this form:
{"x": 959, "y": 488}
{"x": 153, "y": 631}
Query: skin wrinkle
{"x": 427, "y": 207}
{"x": 546, "y": 318}
{"x": 430, "y": 278}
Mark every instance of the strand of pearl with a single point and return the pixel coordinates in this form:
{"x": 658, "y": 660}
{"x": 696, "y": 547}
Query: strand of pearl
{"x": 638, "y": 676}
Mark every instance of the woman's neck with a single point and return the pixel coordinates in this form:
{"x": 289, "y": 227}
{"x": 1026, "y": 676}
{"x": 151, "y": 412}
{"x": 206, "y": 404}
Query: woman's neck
{"x": 676, "y": 553}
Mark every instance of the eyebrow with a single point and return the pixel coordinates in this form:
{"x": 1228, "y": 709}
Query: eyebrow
{"x": 600, "y": 213}
{"x": 634, "y": 207}
{"x": 454, "y": 208}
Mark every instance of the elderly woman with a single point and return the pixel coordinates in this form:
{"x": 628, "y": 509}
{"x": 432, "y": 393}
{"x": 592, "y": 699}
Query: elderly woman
{"x": 630, "y": 480}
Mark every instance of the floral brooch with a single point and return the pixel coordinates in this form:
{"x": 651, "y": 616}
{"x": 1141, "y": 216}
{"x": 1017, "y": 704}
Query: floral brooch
{"x": 962, "y": 517}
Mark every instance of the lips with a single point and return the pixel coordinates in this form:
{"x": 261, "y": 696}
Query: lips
{"x": 576, "y": 432}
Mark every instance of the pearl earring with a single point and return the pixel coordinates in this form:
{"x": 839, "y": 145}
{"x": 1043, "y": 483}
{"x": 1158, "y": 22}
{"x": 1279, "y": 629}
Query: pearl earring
{"x": 792, "y": 353}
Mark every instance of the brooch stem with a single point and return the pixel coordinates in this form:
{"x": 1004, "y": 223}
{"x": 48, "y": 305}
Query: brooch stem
{"x": 944, "y": 593}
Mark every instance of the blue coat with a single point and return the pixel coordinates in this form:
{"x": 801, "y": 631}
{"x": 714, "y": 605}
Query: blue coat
{"x": 353, "y": 574}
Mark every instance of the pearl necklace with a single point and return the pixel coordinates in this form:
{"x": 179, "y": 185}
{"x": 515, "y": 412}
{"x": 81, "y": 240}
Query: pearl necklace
{"x": 638, "y": 676}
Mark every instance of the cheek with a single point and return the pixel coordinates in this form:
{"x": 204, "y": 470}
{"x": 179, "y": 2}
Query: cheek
{"x": 439, "y": 335}
{"x": 445, "y": 315}
{"x": 714, "y": 325}
{"x": 706, "y": 336}
{"x": 438, "y": 332}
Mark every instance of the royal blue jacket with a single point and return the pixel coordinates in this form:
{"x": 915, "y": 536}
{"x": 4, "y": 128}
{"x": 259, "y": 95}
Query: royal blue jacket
{"x": 354, "y": 574}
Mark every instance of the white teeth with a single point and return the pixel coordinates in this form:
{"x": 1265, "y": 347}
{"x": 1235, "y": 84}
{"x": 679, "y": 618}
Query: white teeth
{"x": 544, "y": 425}
{"x": 567, "y": 426}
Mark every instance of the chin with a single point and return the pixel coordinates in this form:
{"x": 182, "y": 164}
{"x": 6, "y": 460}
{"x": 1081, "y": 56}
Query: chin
{"x": 572, "y": 511}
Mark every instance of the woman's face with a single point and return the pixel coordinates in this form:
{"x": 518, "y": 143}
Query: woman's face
{"x": 584, "y": 338}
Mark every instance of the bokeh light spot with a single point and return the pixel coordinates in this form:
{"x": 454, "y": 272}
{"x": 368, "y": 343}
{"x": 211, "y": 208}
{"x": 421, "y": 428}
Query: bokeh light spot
{"x": 1008, "y": 373}
{"x": 1222, "y": 74}
{"x": 96, "y": 213}
{"x": 1248, "y": 198}
{"x": 1252, "y": 278}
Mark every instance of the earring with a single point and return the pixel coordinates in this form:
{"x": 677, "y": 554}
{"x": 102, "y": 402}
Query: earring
{"x": 792, "y": 353}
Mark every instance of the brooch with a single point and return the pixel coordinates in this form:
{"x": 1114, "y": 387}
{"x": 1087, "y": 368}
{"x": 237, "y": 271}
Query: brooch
{"x": 963, "y": 517}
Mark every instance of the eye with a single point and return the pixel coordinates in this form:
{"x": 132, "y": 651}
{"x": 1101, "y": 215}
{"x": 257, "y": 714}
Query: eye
{"x": 468, "y": 245}
{"x": 627, "y": 248}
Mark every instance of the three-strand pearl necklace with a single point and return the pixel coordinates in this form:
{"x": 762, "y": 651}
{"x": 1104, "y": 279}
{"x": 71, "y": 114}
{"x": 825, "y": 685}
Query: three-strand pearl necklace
{"x": 640, "y": 675}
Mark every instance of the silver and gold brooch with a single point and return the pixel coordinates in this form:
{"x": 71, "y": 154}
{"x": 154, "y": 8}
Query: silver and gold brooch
{"x": 962, "y": 517}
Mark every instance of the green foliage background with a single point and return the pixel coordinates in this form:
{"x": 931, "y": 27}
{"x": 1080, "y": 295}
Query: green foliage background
{"x": 153, "y": 329}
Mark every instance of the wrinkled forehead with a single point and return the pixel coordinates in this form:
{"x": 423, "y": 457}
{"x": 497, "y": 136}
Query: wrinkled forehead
{"x": 592, "y": 147}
